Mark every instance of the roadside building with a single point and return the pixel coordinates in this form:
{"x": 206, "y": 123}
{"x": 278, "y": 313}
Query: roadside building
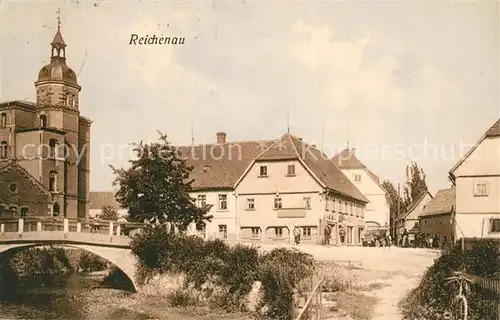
{"x": 436, "y": 217}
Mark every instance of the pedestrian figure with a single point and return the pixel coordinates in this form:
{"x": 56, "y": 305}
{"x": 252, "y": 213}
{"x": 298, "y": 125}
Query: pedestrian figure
{"x": 96, "y": 225}
{"x": 296, "y": 234}
{"x": 327, "y": 235}
{"x": 342, "y": 236}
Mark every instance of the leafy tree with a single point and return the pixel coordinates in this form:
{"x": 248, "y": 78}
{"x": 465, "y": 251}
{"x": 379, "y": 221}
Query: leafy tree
{"x": 157, "y": 186}
{"x": 109, "y": 213}
{"x": 415, "y": 185}
{"x": 394, "y": 198}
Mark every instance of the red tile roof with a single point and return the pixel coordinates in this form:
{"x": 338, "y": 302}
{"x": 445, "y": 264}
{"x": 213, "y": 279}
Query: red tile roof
{"x": 97, "y": 200}
{"x": 443, "y": 202}
{"x": 222, "y": 165}
{"x": 347, "y": 160}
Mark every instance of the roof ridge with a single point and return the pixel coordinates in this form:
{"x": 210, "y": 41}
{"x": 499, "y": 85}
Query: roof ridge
{"x": 225, "y": 143}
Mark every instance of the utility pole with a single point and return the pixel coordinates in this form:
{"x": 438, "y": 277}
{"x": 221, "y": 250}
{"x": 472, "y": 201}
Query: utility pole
{"x": 398, "y": 213}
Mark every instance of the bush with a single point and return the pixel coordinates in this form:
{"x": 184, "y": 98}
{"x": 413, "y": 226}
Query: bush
{"x": 88, "y": 262}
{"x": 40, "y": 261}
{"x": 432, "y": 298}
{"x": 282, "y": 272}
{"x": 222, "y": 276}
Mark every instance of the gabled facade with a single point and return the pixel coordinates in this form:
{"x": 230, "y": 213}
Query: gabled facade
{"x": 369, "y": 184}
{"x": 261, "y": 191}
{"x": 49, "y": 139}
{"x": 436, "y": 217}
{"x": 410, "y": 218}
{"x": 477, "y": 181}
{"x": 22, "y": 194}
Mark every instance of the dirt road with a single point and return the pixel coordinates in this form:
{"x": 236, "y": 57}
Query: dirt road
{"x": 393, "y": 273}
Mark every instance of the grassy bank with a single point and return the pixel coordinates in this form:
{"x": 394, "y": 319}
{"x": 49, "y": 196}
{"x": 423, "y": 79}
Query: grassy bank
{"x": 432, "y": 298}
{"x": 190, "y": 272}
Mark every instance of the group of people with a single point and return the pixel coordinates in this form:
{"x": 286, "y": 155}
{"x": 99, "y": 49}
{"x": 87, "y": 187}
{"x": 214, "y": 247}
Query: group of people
{"x": 426, "y": 240}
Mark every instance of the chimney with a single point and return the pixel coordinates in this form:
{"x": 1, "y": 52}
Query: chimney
{"x": 353, "y": 151}
{"x": 221, "y": 137}
{"x": 314, "y": 146}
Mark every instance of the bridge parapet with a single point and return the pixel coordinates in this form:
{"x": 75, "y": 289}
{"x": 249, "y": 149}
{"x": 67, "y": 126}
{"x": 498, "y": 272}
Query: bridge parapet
{"x": 51, "y": 229}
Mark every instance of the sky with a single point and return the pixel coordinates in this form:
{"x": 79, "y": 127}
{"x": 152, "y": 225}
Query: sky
{"x": 400, "y": 81}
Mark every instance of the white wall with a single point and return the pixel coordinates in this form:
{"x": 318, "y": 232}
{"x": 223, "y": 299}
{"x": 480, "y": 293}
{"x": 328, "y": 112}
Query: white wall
{"x": 378, "y": 209}
{"x": 220, "y": 217}
{"x": 472, "y": 211}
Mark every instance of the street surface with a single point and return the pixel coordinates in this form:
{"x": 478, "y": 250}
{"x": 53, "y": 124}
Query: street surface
{"x": 398, "y": 270}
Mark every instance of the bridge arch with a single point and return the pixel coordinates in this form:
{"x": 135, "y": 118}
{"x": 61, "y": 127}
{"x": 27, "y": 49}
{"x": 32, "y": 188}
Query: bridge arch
{"x": 122, "y": 258}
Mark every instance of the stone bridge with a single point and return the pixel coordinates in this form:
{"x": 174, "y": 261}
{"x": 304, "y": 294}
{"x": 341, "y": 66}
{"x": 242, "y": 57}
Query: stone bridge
{"x": 105, "y": 240}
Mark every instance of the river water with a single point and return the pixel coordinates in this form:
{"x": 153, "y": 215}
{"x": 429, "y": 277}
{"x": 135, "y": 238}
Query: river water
{"x": 72, "y": 296}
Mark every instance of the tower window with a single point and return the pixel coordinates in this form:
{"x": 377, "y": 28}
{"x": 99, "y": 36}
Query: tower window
{"x": 3, "y": 150}
{"x": 55, "y": 209}
{"x": 24, "y": 212}
{"x": 3, "y": 120}
{"x": 53, "y": 146}
{"x": 43, "y": 121}
{"x": 53, "y": 181}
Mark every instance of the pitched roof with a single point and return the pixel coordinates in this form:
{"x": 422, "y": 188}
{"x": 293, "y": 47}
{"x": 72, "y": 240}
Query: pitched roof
{"x": 493, "y": 131}
{"x": 443, "y": 202}
{"x": 414, "y": 204}
{"x": 220, "y": 165}
{"x": 14, "y": 166}
{"x": 97, "y": 200}
{"x": 347, "y": 160}
{"x": 224, "y": 165}
{"x": 326, "y": 170}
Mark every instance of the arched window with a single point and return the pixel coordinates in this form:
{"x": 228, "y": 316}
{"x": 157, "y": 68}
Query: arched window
{"x": 53, "y": 147}
{"x": 24, "y": 212}
{"x": 55, "y": 209}
{"x": 53, "y": 181}
{"x": 3, "y": 120}
{"x": 13, "y": 210}
{"x": 43, "y": 121}
{"x": 3, "y": 150}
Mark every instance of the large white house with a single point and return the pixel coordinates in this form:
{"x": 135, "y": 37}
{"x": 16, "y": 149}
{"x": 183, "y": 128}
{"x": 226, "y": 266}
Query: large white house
{"x": 378, "y": 208}
{"x": 477, "y": 180}
{"x": 262, "y": 190}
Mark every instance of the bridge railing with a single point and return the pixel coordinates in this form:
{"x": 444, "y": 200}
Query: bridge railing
{"x": 113, "y": 229}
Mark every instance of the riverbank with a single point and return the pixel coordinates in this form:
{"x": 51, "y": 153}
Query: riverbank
{"x": 116, "y": 304}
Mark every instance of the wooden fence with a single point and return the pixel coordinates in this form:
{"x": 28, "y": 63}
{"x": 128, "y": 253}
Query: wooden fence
{"x": 491, "y": 290}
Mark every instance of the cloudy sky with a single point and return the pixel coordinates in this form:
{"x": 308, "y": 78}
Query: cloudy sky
{"x": 413, "y": 81}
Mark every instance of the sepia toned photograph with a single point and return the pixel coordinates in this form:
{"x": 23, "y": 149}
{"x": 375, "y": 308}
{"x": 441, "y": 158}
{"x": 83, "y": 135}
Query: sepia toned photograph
{"x": 249, "y": 160}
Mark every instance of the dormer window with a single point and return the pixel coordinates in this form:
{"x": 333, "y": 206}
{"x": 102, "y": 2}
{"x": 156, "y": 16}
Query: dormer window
{"x": 43, "y": 121}
{"x": 3, "y": 120}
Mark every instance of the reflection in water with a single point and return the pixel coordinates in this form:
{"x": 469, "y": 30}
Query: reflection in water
{"x": 55, "y": 297}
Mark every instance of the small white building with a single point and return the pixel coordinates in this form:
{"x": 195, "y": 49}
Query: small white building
{"x": 378, "y": 208}
{"x": 410, "y": 218}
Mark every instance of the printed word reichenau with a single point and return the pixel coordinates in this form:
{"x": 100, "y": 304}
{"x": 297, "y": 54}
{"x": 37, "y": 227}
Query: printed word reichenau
{"x": 136, "y": 40}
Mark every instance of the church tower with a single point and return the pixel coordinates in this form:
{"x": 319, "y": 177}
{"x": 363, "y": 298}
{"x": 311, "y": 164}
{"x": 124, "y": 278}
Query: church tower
{"x": 65, "y": 133}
